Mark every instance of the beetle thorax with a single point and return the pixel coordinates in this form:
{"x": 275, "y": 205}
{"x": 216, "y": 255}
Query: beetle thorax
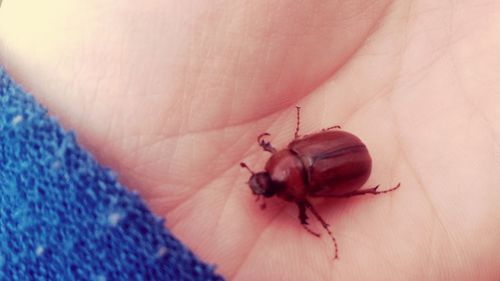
{"x": 286, "y": 171}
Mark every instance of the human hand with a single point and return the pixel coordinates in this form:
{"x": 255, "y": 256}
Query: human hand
{"x": 173, "y": 97}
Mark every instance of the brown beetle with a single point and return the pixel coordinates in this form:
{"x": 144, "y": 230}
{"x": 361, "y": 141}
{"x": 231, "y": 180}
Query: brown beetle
{"x": 331, "y": 163}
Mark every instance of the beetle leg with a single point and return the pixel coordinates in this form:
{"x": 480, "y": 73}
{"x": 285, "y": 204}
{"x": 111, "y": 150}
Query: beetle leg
{"x": 372, "y": 190}
{"x": 265, "y": 144}
{"x": 296, "y": 135}
{"x": 324, "y": 224}
{"x": 303, "y": 219}
{"x": 263, "y": 204}
{"x": 331, "y": 128}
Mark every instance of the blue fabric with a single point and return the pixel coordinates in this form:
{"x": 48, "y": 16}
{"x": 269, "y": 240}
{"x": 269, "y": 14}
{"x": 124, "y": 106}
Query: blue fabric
{"x": 65, "y": 217}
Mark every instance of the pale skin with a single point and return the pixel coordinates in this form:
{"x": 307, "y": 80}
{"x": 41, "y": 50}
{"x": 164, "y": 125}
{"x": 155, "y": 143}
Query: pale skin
{"x": 173, "y": 95}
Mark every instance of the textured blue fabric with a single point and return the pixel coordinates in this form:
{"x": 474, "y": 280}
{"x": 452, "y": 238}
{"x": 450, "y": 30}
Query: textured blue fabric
{"x": 65, "y": 217}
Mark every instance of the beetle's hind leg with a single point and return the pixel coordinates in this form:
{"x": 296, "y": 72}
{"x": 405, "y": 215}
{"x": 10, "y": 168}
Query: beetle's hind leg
{"x": 303, "y": 219}
{"x": 265, "y": 144}
{"x": 372, "y": 190}
{"x": 324, "y": 224}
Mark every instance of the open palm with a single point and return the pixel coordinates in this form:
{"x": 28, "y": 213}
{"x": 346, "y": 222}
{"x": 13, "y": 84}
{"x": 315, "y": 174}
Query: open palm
{"x": 174, "y": 96}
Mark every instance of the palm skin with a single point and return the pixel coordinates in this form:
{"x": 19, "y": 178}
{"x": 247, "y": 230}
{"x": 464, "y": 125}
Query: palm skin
{"x": 174, "y": 96}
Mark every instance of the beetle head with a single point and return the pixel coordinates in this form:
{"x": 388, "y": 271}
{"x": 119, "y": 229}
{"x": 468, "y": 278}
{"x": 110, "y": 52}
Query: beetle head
{"x": 261, "y": 184}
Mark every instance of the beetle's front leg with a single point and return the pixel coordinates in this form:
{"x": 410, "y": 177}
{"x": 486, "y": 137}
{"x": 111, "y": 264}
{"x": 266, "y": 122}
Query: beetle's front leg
{"x": 265, "y": 144}
{"x": 303, "y": 218}
{"x": 263, "y": 203}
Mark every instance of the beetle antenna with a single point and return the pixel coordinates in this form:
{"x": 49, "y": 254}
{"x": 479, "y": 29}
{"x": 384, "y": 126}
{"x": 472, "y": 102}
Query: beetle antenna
{"x": 243, "y": 165}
